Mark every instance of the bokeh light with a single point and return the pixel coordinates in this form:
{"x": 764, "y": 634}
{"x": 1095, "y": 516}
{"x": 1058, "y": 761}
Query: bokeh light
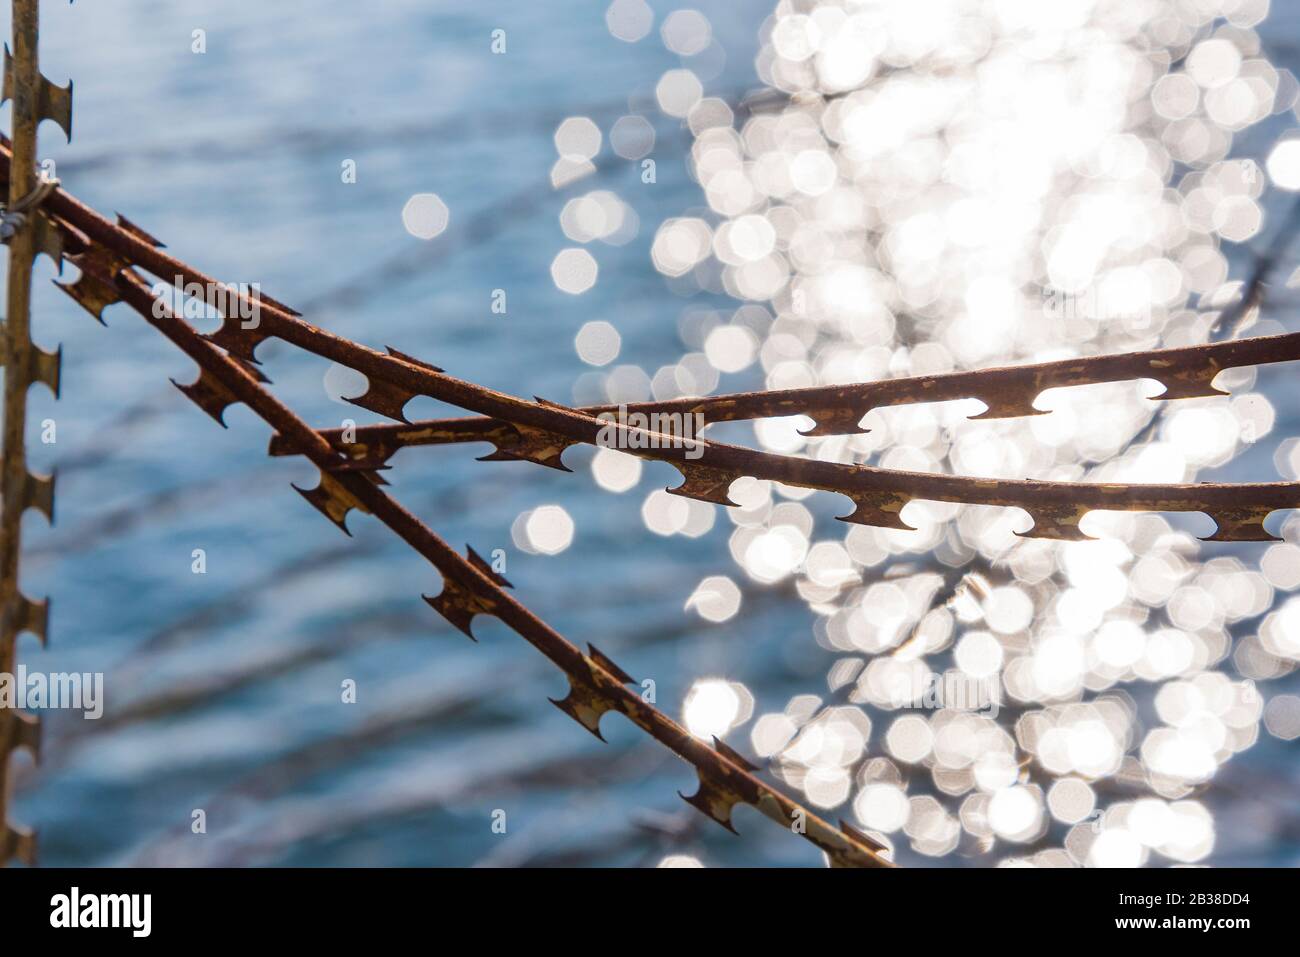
{"x": 941, "y": 187}
{"x": 425, "y": 215}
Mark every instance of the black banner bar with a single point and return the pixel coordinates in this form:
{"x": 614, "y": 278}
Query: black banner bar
{"x": 332, "y": 907}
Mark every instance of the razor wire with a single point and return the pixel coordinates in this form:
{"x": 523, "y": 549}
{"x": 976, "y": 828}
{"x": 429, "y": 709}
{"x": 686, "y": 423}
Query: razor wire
{"x": 110, "y": 256}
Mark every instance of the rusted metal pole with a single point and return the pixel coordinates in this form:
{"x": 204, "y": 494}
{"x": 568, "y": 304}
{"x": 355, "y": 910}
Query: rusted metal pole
{"x": 34, "y": 99}
{"x": 15, "y": 841}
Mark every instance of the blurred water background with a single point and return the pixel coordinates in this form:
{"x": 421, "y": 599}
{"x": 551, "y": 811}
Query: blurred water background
{"x": 223, "y": 688}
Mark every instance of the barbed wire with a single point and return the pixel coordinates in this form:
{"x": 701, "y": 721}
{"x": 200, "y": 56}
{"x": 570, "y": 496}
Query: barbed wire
{"x": 539, "y": 431}
{"x": 27, "y": 234}
{"x": 108, "y": 255}
{"x": 1007, "y": 392}
{"x": 542, "y": 430}
{"x": 470, "y": 586}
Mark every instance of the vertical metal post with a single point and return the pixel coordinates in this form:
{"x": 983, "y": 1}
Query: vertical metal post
{"x": 34, "y": 99}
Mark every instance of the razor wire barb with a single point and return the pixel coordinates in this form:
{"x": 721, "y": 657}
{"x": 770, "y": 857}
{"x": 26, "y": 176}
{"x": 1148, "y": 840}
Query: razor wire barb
{"x": 27, "y": 234}
{"x": 110, "y": 256}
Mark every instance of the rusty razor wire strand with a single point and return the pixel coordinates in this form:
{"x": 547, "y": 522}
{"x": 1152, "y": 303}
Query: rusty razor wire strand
{"x": 28, "y": 232}
{"x": 1007, "y": 391}
{"x": 470, "y": 587}
{"x": 539, "y": 431}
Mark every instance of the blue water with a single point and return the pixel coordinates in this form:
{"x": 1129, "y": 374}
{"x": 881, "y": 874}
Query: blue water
{"x": 223, "y": 688}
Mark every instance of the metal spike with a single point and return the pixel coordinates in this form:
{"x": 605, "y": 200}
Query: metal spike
{"x": 586, "y": 704}
{"x": 532, "y": 445}
{"x": 56, "y": 105}
{"x": 604, "y": 661}
{"x": 459, "y": 604}
{"x": 38, "y": 493}
{"x": 252, "y": 369}
{"x": 840, "y": 421}
{"x": 411, "y": 359}
{"x": 1245, "y": 524}
{"x": 30, "y": 616}
{"x": 384, "y": 397}
{"x": 53, "y": 102}
{"x": 138, "y": 233}
{"x": 17, "y": 842}
{"x": 96, "y": 287}
{"x": 1185, "y": 379}
{"x": 239, "y": 342}
{"x": 704, "y": 483}
{"x": 456, "y": 605}
{"x": 332, "y": 499}
{"x": 1008, "y": 405}
{"x": 209, "y": 394}
{"x": 714, "y": 800}
{"x": 459, "y": 601}
{"x": 881, "y": 509}
{"x": 48, "y": 239}
{"x": 479, "y": 562}
{"x": 44, "y": 367}
{"x": 1057, "y": 524}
